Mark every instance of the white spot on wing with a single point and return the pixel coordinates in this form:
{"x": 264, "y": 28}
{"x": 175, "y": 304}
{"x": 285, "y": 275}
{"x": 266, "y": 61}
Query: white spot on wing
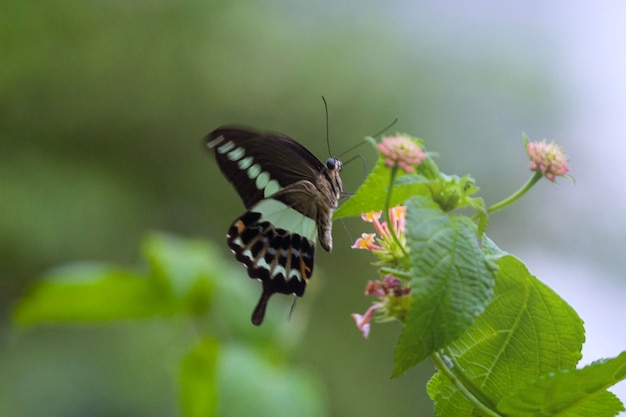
{"x": 271, "y": 188}
{"x": 260, "y": 263}
{"x": 279, "y": 269}
{"x": 262, "y": 180}
{"x": 245, "y": 162}
{"x": 236, "y": 154}
{"x": 226, "y": 147}
{"x": 254, "y": 171}
{"x": 294, "y": 273}
{"x": 215, "y": 141}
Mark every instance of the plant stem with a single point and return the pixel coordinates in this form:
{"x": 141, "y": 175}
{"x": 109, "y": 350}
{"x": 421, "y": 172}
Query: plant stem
{"x": 396, "y": 273}
{"x": 392, "y": 230}
{"x": 440, "y": 363}
{"x": 519, "y": 193}
{"x": 394, "y": 171}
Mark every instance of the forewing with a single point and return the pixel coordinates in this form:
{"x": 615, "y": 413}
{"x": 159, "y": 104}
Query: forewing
{"x": 260, "y": 164}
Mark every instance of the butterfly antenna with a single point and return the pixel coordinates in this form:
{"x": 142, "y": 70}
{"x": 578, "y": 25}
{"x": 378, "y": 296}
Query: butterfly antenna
{"x": 362, "y": 158}
{"x": 327, "y": 124}
{"x": 395, "y": 120}
{"x": 389, "y": 126}
{"x": 351, "y": 148}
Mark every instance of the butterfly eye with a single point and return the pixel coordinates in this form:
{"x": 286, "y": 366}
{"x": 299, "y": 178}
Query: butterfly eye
{"x": 332, "y": 164}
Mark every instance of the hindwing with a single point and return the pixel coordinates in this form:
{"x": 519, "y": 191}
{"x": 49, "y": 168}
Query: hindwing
{"x": 280, "y": 259}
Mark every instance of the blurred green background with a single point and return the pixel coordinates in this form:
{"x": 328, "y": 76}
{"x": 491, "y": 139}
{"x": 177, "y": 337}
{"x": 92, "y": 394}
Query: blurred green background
{"x": 103, "y": 106}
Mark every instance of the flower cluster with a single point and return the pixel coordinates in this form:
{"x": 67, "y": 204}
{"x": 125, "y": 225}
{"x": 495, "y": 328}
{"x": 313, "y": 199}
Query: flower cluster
{"x": 390, "y": 247}
{"x": 390, "y": 244}
{"x": 393, "y": 297}
{"x": 401, "y": 151}
{"x": 547, "y": 158}
{"x": 389, "y": 285}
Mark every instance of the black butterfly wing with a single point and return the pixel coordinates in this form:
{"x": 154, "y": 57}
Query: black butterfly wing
{"x": 259, "y": 164}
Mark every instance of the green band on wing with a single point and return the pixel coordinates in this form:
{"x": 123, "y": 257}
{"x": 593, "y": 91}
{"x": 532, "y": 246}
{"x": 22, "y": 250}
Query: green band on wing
{"x": 254, "y": 171}
{"x": 272, "y": 187}
{"x": 245, "y": 162}
{"x": 282, "y": 216}
{"x": 225, "y": 147}
{"x": 236, "y": 154}
{"x": 262, "y": 180}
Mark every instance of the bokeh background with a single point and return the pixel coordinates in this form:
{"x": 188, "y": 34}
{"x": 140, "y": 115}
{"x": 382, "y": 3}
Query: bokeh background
{"x": 103, "y": 105}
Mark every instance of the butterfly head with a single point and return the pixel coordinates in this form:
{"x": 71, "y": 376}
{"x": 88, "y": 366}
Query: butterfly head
{"x": 334, "y": 164}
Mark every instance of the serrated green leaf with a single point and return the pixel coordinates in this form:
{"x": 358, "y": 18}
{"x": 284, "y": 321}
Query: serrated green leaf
{"x": 90, "y": 292}
{"x": 432, "y": 386}
{"x": 452, "y": 281}
{"x": 491, "y": 250}
{"x": 372, "y": 194}
{"x": 525, "y": 332}
{"x": 605, "y": 404}
{"x": 565, "y": 392}
{"x": 449, "y": 401}
{"x": 198, "y": 386}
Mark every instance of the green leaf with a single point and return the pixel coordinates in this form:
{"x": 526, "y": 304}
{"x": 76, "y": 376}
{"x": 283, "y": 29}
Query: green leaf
{"x": 569, "y": 392}
{"x": 449, "y": 401}
{"x": 90, "y": 292}
{"x": 525, "y": 332}
{"x": 180, "y": 278}
{"x": 372, "y": 194}
{"x": 492, "y": 251}
{"x": 452, "y": 281}
{"x": 253, "y": 385}
{"x": 198, "y": 387}
{"x": 184, "y": 266}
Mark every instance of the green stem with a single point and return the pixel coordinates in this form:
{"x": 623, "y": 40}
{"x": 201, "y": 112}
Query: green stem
{"x": 457, "y": 380}
{"x": 519, "y": 193}
{"x": 392, "y": 230}
{"x": 396, "y": 273}
{"x": 394, "y": 171}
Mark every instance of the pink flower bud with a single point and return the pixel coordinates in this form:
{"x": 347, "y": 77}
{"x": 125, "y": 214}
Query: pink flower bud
{"x": 363, "y": 321}
{"x": 547, "y": 158}
{"x": 401, "y": 151}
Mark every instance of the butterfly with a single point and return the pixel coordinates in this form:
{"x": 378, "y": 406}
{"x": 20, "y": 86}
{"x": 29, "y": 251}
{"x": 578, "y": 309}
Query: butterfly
{"x": 289, "y": 196}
